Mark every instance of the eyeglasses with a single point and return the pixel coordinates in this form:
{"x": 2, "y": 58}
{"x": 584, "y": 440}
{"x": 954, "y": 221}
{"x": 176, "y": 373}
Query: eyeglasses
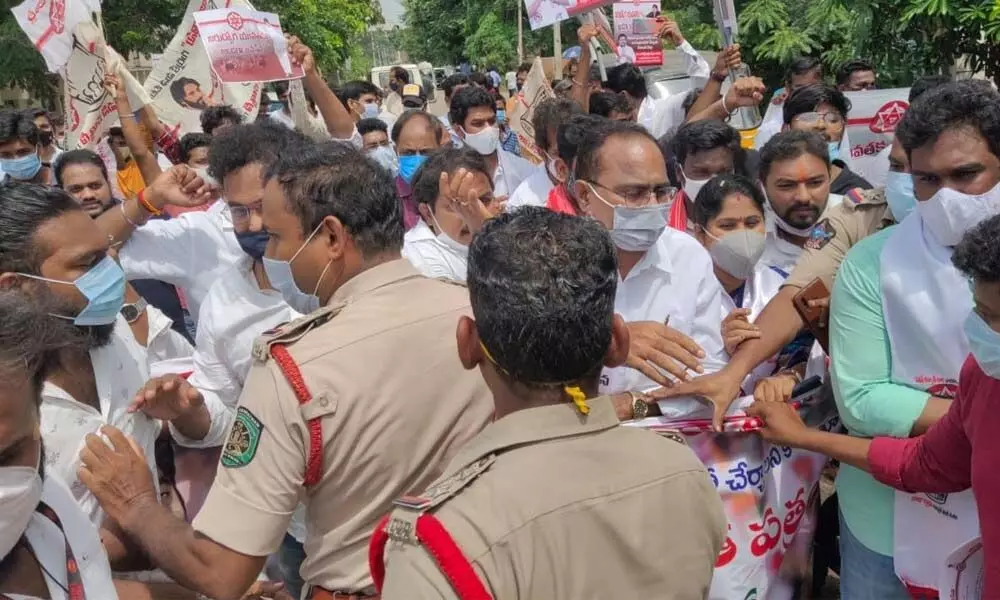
{"x": 811, "y": 118}
{"x": 641, "y": 195}
{"x": 241, "y": 214}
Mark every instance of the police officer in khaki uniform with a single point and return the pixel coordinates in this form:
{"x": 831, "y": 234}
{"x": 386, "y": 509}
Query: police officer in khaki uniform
{"x": 554, "y": 499}
{"x": 358, "y": 403}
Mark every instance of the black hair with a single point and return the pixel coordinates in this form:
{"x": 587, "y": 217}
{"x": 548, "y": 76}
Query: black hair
{"x": 81, "y": 156}
{"x": 807, "y": 99}
{"x": 39, "y": 112}
{"x": 192, "y": 141}
{"x": 702, "y": 136}
{"x": 627, "y": 78}
{"x": 972, "y": 104}
{"x": 571, "y": 134}
{"x": 523, "y": 68}
{"x": 333, "y": 179}
{"x": 465, "y": 100}
{"x": 57, "y": 119}
{"x": 446, "y": 160}
{"x": 850, "y": 67}
{"x": 353, "y": 90}
{"x": 400, "y": 74}
{"x": 550, "y": 114}
{"x": 480, "y": 79}
{"x": 116, "y": 132}
{"x": 789, "y": 145}
{"x": 924, "y": 84}
{"x": 433, "y": 122}
{"x": 453, "y": 81}
{"x": 18, "y": 125}
{"x": 588, "y": 163}
{"x": 977, "y": 256}
{"x": 213, "y": 116}
{"x": 713, "y": 194}
{"x": 542, "y": 288}
{"x": 31, "y": 340}
{"x": 280, "y": 88}
{"x": 603, "y": 103}
{"x": 260, "y": 142}
{"x": 372, "y": 124}
{"x": 24, "y": 207}
{"x": 800, "y": 66}
{"x": 177, "y": 89}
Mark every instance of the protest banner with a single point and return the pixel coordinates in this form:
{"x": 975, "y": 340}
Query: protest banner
{"x": 246, "y": 45}
{"x": 871, "y": 125}
{"x": 50, "y": 24}
{"x": 769, "y": 494}
{"x": 548, "y": 12}
{"x": 90, "y": 110}
{"x": 965, "y": 573}
{"x": 182, "y": 83}
{"x": 636, "y": 33}
{"x": 536, "y": 89}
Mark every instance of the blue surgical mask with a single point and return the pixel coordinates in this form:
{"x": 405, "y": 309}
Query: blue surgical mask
{"x": 279, "y": 273}
{"x": 636, "y": 229}
{"x": 409, "y": 165}
{"x": 22, "y": 169}
{"x": 899, "y": 194}
{"x": 834, "y": 149}
{"x": 103, "y": 286}
{"x": 254, "y": 243}
{"x": 984, "y": 343}
{"x": 370, "y": 111}
{"x": 501, "y": 116}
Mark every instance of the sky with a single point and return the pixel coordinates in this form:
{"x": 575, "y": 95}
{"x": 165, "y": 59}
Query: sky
{"x": 392, "y": 11}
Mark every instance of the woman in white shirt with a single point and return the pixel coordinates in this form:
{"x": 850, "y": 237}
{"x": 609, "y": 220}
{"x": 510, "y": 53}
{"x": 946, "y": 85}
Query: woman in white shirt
{"x": 454, "y": 195}
{"x": 729, "y": 221}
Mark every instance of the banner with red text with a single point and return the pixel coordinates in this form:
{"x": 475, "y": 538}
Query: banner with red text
{"x": 548, "y": 12}
{"x": 871, "y": 125}
{"x": 246, "y": 45}
{"x": 50, "y": 24}
{"x": 182, "y": 83}
{"x": 636, "y": 38}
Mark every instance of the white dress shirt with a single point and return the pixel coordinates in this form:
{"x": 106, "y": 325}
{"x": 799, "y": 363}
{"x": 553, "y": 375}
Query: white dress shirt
{"x": 665, "y": 115}
{"x": 190, "y": 251}
{"x": 511, "y": 171}
{"x": 533, "y": 191}
{"x": 432, "y": 257}
{"x": 233, "y": 315}
{"x": 674, "y": 279}
{"x": 120, "y": 369}
{"x": 48, "y": 544}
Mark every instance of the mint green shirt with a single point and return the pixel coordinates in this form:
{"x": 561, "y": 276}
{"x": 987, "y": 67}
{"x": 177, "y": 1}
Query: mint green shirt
{"x": 869, "y": 403}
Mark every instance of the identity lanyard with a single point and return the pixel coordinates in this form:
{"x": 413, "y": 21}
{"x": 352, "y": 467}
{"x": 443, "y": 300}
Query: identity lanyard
{"x": 74, "y": 581}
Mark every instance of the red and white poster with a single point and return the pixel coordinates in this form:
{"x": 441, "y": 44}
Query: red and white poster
{"x": 50, "y": 25}
{"x": 871, "y": 125}
{"x": 636, "y": 39}
{"x": 542, "y": 13}
{"x": 246, "y": 45}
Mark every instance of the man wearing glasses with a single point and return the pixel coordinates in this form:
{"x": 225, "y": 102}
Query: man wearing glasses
{"x": 823, "y": 109}
{"x": 667, "y": 291}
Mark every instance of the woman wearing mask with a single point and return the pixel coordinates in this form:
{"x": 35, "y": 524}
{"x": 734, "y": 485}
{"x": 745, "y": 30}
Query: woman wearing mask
{"x": 454, "y": 195}
{"x": 415, "y": 135}
{"x": 729, "y": 223}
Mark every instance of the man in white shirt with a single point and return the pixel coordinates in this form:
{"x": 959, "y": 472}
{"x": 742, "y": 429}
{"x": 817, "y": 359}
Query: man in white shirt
{"x": 667, "y": 292}
{"x": 52, "y": 251}
{"x": 795, "y": 171}
{"x": 546, "y": 120}
{"x": 473, "y": 115}
{"x": 665, "y": 115}
{"x": 626, "y": 54}
{"x": 454, "y": 195}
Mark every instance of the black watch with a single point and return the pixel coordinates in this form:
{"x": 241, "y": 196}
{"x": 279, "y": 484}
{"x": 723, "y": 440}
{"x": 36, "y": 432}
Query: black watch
{"x": 133, "y": 311}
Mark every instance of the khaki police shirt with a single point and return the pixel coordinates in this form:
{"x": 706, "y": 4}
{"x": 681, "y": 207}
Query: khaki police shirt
{"x": 547, "y": 503}
{"x": 862, "y": 213}
{"x": 381, "y": 363}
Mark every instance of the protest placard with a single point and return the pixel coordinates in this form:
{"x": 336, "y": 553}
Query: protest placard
{"x": 246, "y": 45}
{"x": 50, "y": 24}
{"x": 636, "y": 33}
{"x": 182, "y": 83}
{"x": 871, "y": 125}
{"x": 547, "y": 12}
{"x": 536, "y": 89}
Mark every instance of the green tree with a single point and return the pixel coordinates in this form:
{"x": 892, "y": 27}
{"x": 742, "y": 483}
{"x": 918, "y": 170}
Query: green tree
{"x": 329, "y": 27}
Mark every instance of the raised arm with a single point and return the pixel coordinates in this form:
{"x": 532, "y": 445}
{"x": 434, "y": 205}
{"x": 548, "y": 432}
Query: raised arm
{"x": 581, "y": 82}
{"x": 338, "y": 121}
{"x": 142, "y": 153}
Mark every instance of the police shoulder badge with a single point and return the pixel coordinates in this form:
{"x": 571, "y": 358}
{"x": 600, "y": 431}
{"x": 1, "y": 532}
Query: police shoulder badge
{"x": 243, "y": 440}
{"x": 820, "y": 235}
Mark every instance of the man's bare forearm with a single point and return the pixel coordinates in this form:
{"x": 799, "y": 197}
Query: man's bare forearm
{"x": 189, "y": 558}
{"x": 338, "y": 121}
{"x": 779, "y": 323}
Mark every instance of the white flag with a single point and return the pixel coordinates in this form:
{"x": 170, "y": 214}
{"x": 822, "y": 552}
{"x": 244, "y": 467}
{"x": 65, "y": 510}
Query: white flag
{"x": 50, "y": 24}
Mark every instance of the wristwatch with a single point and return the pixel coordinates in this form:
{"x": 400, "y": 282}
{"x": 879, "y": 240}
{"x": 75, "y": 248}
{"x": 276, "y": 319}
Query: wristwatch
{"x": 133, "y": 311}
{"x": 640, "y": 410}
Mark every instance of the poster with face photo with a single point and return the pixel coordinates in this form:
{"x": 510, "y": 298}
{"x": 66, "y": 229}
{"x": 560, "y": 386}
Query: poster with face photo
{"x": 246, "y": 46}
{"x": 636, "y": 39}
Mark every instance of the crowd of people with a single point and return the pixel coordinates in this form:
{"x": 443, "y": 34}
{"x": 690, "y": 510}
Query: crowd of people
{"x": 354, "y": 350}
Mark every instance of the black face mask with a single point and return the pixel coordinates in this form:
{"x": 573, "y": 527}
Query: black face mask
{"x": 45, "y": 138}
{"x": 254, "y": 243}
{"x": 394, "y": 86}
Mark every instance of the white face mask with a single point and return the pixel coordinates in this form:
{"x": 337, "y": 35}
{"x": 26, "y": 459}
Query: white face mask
{"x": 485, "y": 141}
{"x": 636, "y": 229}
{"x": 737, "y": 252}
{"x": 20, "y": 493}
{"x": 691, "y": 186}
{"x": 949, "y": 214}
{"x": 783, "y": 225}
{"x": 448, "y": 242}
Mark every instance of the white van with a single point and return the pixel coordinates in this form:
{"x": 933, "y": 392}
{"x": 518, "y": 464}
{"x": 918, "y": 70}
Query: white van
{"x": 380, "y": 75}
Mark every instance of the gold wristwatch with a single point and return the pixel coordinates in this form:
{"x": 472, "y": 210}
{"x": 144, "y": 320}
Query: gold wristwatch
{"x": 640, "y": 410}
